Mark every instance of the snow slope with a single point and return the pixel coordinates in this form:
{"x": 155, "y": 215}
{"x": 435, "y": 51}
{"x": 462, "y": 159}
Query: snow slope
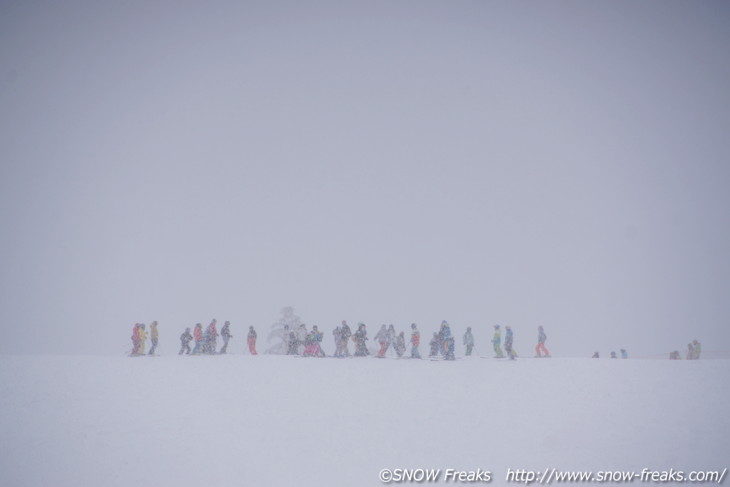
{"x": 272, "y": 420}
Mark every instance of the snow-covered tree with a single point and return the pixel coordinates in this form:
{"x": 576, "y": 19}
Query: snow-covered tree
{"x": 278, "y": 333}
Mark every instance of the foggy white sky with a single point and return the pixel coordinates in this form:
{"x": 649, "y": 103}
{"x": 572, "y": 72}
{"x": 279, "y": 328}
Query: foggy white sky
{"x": 528, "y": 163}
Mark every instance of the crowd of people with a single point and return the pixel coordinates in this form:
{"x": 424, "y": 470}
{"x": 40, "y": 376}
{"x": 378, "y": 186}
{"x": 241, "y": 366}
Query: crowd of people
{"x": 205, "y": 341}
{"x": 694, "y": 350}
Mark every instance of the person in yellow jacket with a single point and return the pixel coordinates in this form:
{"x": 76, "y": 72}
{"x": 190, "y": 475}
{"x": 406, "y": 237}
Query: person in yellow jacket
{"x": 142, "y": 339}
{"x": 154, "y": 335}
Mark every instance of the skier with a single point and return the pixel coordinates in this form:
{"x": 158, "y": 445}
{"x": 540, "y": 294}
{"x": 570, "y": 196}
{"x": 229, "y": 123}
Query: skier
{"x": 468, "y": 341}
{"x": 382, "y": 338}
{"x": 185, "y": 342}
{"x": 346, "y": 334}
{"x": 400, "y": 344}
{"x": 154, "y": 335}
{"x": 251, "y": 340}
{"x": 434, "y": 345}
{"x": 624, "y": 353}
{"x": 142, "y": 338}
{"x": 697, "y": 350}
{"x": 444, "y": 335}
{"x": 497, "y": 342}
{"x": 508, "y": 339}
{"x": 316, "y": 339}
{"x": 135, "y": 339}
{"x": 415, "y": 341}
{"x": 212, "y": 336}
{"x": 226, "y": 334}
{"x": 360, "y": 337}
{"x": 541, "y": 337}
{"x": 198, "y": 335}
{"x": 690, "y": 352}
{"x": 338, "y": 341}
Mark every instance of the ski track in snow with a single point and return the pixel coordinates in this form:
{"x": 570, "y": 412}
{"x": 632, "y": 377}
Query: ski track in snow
{"x": 239, "y": 420}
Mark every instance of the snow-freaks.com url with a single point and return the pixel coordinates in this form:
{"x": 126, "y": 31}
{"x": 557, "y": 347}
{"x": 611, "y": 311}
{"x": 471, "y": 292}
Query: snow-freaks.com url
{"x": 552, "y": 475}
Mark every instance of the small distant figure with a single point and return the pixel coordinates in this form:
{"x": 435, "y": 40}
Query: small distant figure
{"x": 624, "y": 353}
{"x": 382, "y": 338}
{"x": 449, "y": 348}
{"x": 212, "y": 337}
{"x": 154, "y": 336}
{"x": 675, "y": 355}
{"x": 690, "y": 352}
{"x": 198, "y": 336}
{"x": 292, "y": 346}
{"x": 497, "y": 342}
{"x": 400, "y": 344}
{"x": 185, "y": 339}
{"x": 508, "y": 340}
{"x": 135, "y": 339}
{"x": 226, "y": 335}
{"x": 613, "y": 355}
{"x": 434, "y": 345}
{"x": 415, "y": 341}
{"x": 142, "y": 338}
{"x": 697, "y": 350}
{"x": 312, "y": 348}
{"x": 541, "y": 337}
{"x": 595, "y": 355}
{"x": 360, "y": 337}
{"x": 345, "y": 335}
{"x": 468, "y": 341}
{"x": 251, "y": 338}
{"x": 338, "y": 341}
{"x": 444, "y": 336}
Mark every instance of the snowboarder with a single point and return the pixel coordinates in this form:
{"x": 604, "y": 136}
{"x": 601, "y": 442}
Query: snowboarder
{"x": 434, "y": 345}
{"x": 345, "y": 336}
{"x": 382, "y": 338}
{"x": 212, "y": 337}
{"x": 468, "y": 341}
{"x": 226, "y": 335}
{"x": 497, "y": 342}
{"x": 185, "y": 342}
{"x": 697, "y": 350}
{"x": 198, "y": 336}
{"x": 154, "y": 336}
{"x": 251, "y": 338}
{"x": 400, "y": 344}
{"x": 142, "y": 338}
{"x": 360, "y": 337}
{"x": 135, "y": 339}
{"x": 338, "y": 341}
{"x": 541, "y": 337}
{"x": 624, "y": 353}
{"x": 415, "y": 341}
{"x": 508, "y": 340}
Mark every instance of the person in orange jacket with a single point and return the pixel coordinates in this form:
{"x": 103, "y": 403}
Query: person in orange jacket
{"x": 135, "y": 339}
{"x": 198, "y": 337}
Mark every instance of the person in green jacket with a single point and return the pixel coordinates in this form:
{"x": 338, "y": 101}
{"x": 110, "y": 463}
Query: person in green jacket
{"x": 497, "y": 342}
{"x": 468, "y": 341}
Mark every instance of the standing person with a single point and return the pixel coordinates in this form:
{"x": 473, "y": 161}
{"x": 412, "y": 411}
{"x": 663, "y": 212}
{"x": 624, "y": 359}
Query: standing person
{"x": 400, "y": 344}
{"x": 468, "y": 341}
{"x": 690, "y": 352}
{"x": 198, "y": 336}
{"x": 391, "y": 336}
{"x": 185, "y": 342}
{"x": 449, "y": 347}
{"x": 624, "y": 354}
{"x": 317, "y": 337}
{"x": 508, "y": 339}
{"x": 338, "y": 341}
{"x": 697, "y": 350}
{"x": 251, "y": 340}
{"x": 444, "y": 336}
{"x": 154, "y": 336}
{"x": 613, "y": 355}
{"x": 346, "y": 334}
{"x": 142, "y": 339}
{"x": 415, "y": 341}
{"x": 497, "y": 342}
{"x": 292, "y": 347}
{"x": 360, "y": 337}
{"x": 541, "y": 337}
{"x": 135, "y": 339}
{"x": 226, "y": 335}
{"x": 434, "y": 345}
{"x": 382, "y": 338}
{"x": 212, "y": 337}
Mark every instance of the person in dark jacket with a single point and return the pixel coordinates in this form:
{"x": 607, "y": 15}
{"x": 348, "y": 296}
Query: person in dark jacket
{"x": 226, "y": 334}
{"x": 185, "y": 339}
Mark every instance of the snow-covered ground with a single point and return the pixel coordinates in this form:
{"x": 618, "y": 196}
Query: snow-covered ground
{"x": 239, "y": 420}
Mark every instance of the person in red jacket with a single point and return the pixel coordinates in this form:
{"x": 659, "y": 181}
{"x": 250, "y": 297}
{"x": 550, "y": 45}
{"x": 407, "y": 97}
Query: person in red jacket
{"x": 415, "y": 341}
{"x": 252, "y": 340}
{"x": 198, "y": 337}
{"x": 135, "y": 339}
